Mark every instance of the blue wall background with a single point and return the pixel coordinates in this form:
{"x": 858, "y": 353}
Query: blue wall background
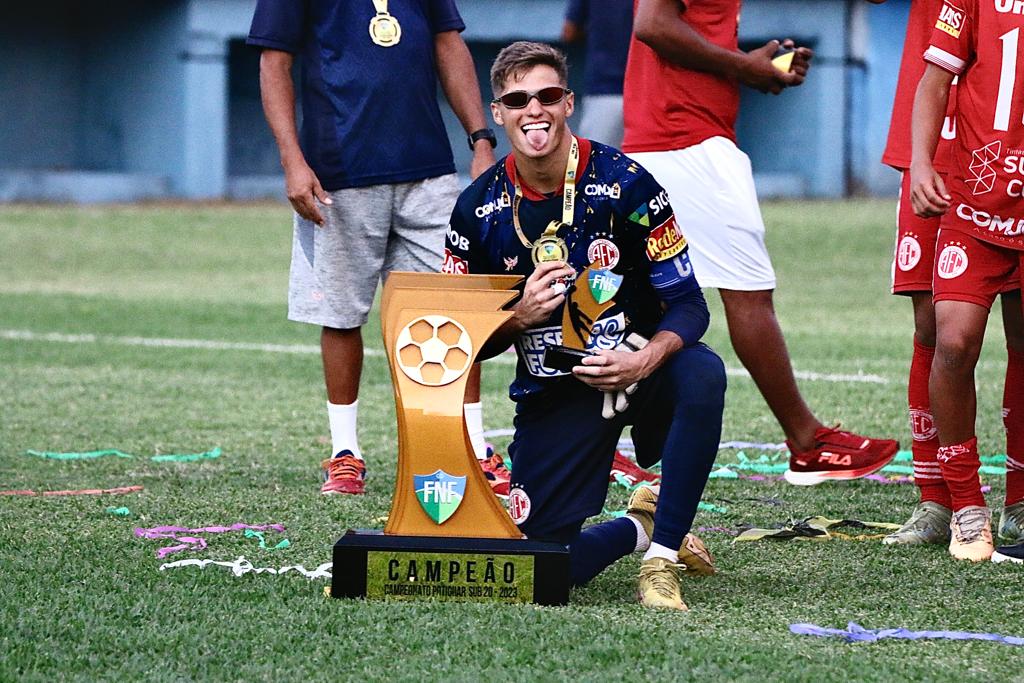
{"x": 122, "y": 100}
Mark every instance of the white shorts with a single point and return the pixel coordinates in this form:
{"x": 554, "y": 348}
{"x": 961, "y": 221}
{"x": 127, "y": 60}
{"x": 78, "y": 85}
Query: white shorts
{"x": 711, "y": 188}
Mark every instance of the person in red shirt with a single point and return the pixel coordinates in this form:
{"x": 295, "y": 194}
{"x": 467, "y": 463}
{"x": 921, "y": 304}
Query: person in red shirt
{"x": 981, "y": 234}
{"x": 912, "y": 277}
{"x": 682, "y": 93}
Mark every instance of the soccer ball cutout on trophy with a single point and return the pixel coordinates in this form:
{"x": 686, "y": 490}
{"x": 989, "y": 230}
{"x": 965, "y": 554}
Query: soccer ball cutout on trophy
{"x": 434, "y": 350}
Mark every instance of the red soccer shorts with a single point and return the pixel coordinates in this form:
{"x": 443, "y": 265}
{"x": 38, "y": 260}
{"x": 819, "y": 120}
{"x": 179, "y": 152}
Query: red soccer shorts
{"x": 969, "y": 269}
{"x": 914, "y": 259}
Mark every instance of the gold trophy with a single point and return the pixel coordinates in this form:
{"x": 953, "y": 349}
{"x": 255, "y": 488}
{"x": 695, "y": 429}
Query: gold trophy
{"x": 448, "y": 536}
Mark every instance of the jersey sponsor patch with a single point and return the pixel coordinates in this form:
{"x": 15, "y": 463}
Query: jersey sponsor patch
{"x": 606, "y": 333}
{"x": 453, "y": 265}
{"x": 952, "y": 261}
{"x": 640, "y": 216}
{"x": 951, "y": 19}
{"x": 908, "y": 254}
{"x": 455, "y": 239}
{"x": 665, "y": 241}
{"x": 613, "y": 191}
{"x": 983, "y": 168}
{"x": 604, "y": 253}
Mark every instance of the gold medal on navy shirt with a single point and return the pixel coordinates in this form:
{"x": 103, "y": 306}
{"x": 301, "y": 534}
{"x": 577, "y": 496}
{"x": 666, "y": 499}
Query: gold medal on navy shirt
{"x": 384, "y": 28}
{"x": 549, "y": 246}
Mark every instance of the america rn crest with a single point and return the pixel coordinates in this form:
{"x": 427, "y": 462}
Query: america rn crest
{"x": 440, "y": 494}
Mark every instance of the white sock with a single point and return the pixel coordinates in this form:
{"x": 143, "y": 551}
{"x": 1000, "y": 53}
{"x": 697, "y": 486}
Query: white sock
{"x": 343, "y": 428}
{"x": 643, "y": 541}
{"x": 475, "y": 425}
{"x": 658, "y": 550}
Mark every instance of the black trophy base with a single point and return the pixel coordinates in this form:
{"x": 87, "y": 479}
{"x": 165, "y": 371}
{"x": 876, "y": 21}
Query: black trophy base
{"x": 373, "y": 565}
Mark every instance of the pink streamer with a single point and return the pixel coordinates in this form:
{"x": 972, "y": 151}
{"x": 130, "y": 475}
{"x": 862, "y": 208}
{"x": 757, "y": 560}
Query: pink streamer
{"x": 195, "y": 542}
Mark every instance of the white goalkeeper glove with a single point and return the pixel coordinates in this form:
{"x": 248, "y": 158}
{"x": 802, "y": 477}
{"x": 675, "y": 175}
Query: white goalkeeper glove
{"x": 616, "y": 402}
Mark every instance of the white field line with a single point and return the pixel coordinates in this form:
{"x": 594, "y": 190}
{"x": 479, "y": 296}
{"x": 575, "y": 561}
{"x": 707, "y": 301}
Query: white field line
{"x": 311, "y": 349}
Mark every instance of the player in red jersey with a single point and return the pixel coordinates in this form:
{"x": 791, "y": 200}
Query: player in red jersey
{"x": 981, "y": 234}
{"x": 912, "y": 277}
{"x": 682, "y": 95}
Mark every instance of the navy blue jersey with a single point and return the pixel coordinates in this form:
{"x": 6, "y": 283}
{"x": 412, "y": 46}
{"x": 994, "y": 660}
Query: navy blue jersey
{"x": 623, "y": 223}
{"x": 369, "y": 113}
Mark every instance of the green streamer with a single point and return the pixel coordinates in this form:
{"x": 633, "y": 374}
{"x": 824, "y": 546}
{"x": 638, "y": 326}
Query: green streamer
{"x": 249, "y": 533}
{"x": 120, "y": 512}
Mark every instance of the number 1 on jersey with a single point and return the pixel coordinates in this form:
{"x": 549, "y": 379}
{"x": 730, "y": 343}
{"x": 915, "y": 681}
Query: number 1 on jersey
{"x": 1007, "y": 80}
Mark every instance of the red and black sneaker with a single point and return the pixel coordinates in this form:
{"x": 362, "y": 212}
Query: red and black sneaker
{"x": 344, "y": 473}
{"x": 633, "y": 473}
{"x": 839, "y": 455}
{"x": 498, "y": 476}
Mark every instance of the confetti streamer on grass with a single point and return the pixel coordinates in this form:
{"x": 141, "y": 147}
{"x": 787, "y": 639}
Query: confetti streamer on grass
{"x": 243, "y": 566}
{"x": 249, "y": 533}
{"x": 187, "y": 457}
{"x": 78, "y": 492}
{"x": 195, "y": 542}
{"x": 92, "y": 455}
{"x": 120, "y": 512}
{"x": 88, "y": 455}
{"x": 856, "y": 633}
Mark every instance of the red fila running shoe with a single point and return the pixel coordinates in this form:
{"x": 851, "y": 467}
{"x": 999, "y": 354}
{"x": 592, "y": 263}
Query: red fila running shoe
{"x": 838, "y": 455}
{"x": 497, "y": 474}
{"x": 631, "y": 471}
{"x": 344, "y": 473}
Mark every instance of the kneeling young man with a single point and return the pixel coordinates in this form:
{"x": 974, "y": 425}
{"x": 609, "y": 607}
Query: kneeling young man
{"x": 605, "y": 262}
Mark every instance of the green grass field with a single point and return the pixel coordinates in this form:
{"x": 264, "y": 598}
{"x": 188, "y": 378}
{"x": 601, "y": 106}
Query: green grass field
{"x": 82, "y": 598}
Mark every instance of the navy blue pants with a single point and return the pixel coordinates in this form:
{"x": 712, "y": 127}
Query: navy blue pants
{"x": 562, "y": 454}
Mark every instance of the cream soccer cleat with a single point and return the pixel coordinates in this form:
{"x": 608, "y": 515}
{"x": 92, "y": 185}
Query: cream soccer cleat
{"x": 929, "y": 523}
{"x": 659, "y": 585}
{"x": 1011, "y": 523}
{"x": 971, "y": 534}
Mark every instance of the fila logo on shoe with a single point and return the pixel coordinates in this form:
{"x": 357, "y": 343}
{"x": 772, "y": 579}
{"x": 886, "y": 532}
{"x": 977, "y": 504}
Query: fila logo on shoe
{"x": 836, "y": 459}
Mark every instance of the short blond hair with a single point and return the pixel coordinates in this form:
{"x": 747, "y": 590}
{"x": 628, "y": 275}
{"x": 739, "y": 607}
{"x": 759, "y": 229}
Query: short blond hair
{"x": 516, "y": 59}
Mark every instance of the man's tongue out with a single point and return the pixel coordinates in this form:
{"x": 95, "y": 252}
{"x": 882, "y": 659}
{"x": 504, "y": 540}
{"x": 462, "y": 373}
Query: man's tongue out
{"x": 537, "y": 137}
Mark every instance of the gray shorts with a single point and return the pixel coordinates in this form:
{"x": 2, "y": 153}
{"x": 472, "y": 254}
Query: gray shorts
{"x": 367, "y": 233}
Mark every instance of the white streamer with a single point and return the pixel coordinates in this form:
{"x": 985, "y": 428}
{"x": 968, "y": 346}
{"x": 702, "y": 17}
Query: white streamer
{"x": 244, "y": 566}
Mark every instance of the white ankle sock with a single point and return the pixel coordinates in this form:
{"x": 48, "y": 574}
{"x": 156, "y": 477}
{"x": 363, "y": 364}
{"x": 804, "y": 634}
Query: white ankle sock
{"x": 658, "y": 550}
{"x": 643, "y": 541}
{"x": 343, "y": 428}
{"x": 475, "y": 426}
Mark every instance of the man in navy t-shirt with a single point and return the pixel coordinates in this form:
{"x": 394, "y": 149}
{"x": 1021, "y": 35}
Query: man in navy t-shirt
{"x": 606, "y": 26}
{"x": 370, "y": 175}
{"x": 606, "y": 270}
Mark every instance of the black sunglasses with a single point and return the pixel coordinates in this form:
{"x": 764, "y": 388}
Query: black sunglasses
{"x": 517, "y": 99}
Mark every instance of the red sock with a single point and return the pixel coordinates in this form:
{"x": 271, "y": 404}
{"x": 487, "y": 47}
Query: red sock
{"x": 960, "y": 463}
{"x": 927, "y": 472}
{"x": 1013, "y": 420}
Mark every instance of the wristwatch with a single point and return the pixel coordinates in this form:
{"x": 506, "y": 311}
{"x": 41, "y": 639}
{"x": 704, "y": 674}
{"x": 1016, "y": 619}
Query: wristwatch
{"x": 482, "y": 134}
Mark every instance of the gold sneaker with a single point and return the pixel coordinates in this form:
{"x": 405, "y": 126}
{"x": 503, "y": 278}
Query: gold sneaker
{"x": 641, "y": 506}
{"x": 696, "y": 556}
{"x": 971, "y": 534}
{"x": 659, "y": 585}
{"x": 692, "y": 553}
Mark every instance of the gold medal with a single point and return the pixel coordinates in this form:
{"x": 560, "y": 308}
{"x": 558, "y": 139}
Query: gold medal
{"x": 550, "y": 247}
{"x": 384, "y": 28}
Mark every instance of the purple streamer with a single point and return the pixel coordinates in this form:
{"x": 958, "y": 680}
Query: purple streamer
{"x": 195, "y": 542}
{"x": 856, "y": 633}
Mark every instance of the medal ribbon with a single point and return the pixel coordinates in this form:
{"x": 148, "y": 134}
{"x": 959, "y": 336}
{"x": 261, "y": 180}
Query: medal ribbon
{"x": 381, "y": 6}
{"x": 568, "y": 196}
